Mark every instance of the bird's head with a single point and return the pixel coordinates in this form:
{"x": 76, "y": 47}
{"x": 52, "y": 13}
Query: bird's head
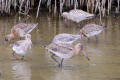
{"x": 79, "y": 48}
{"x": 8, "y": 38}
{"x": 64, "y": 14}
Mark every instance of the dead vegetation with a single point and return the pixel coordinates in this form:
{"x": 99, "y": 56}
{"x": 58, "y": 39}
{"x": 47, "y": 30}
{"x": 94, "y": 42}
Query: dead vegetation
{"x": 103, "y": 7}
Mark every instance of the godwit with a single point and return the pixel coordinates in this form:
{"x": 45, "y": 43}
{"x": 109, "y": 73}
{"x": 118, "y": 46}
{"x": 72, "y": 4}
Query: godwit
{"x": 90, "y": 30}
{"x": 66, "y": 38}
{"x": 22, "y": 46}
{"x": 65, "y": 51}
{"x": 77, "y": 15}
{"x": 20, "y": 30}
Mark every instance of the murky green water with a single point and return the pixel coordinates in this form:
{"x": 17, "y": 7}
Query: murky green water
{"x": 105, "y": 56}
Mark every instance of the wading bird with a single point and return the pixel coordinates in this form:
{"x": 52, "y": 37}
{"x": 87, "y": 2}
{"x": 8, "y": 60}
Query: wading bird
{"x": 20, "y": 30}
{"x": 90, "y": 30}
{"x": 22, "y": 46}
{"x": 65, "y": 51}
{"x": 77, "y": 15}
{"x": 66, "y": 38}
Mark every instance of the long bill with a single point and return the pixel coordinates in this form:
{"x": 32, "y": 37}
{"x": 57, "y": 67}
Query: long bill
{"x": 84, "y": 53}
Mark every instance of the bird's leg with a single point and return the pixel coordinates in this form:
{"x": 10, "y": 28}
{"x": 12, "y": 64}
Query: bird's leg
{"x": 60, "y": 64}
{"x": 88, "y": 40}
{"x": 22, "y": 58}
{"x": 52, "y": 56}
{"x": 79, "y": 25}
{"x": 84, "y": 53}
{"x": 13, "y": 53}
{"x": 14, "y": 57}
{"x": 65, "y": 19}
{"x": 20, "y": 38}
{"x": 96, "y": 39}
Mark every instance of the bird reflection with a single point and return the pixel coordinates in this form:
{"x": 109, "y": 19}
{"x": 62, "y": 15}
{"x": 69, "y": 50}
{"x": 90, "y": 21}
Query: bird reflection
{"x": 21, "y": 70}
{"x": 64, "y": 75}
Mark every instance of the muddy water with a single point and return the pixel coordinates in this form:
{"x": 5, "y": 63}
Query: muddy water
{"x": 105, "y": 55}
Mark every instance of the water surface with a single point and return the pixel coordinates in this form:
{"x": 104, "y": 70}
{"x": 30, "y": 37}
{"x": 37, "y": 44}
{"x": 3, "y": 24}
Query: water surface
{"x": 105, "y": 56}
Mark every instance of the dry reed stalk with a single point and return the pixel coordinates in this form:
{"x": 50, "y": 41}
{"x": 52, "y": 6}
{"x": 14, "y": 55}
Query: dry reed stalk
{"x": 81, "y": 3}
{"x": 20, "y": 8}
{"x": 96, "y": 6}
{"x": 118, "y": 5}
{"x": 27, "y": 7}
{"x": 68, "y": 3}
{"x": 75, "y": 4}
{"x": 93, "y": 5}
{"x": 103, "y": 7}
{"x": 55, "y": 7}
{"x": 9, "y": 4}
{"x": 38, "y": 9}
{"x": 32, "y": 2}
{"x": 71, "y": 2}
{"x": 0, "y": 5}
{"x": 109, "y": 6}
{"x": 49, "y": 5}
{"x": 61, "y": 5}
{"x": 100, "y": 12}
{"x": 15, "y": 4}
{"x": 3, "y": 6}
{"x": 89, "y": 5}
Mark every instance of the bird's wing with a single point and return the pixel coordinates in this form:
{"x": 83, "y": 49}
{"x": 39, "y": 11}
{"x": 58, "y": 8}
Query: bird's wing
{"x": 18, "y": 43}
{"x": 59, "y": 48}
{"x": 20, "y": 25}
{"x": 80, "y": 13}
{"x": 30, "y": 27}
{"x": 25, "y": 26}
{"x": 66, "y": 38}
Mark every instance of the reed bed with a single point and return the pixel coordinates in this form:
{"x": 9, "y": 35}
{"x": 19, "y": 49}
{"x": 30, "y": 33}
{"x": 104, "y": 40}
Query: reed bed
{"x": 103, "y": 7}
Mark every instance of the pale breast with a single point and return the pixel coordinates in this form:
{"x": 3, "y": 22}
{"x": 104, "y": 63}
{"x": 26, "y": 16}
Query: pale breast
{"x": 21, "y": 46}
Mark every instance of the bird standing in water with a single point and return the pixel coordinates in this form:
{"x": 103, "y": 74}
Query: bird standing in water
{"x": 22, "y": 46}
{"x": 65, "y": 51}
{"x": 20, "y": 30}
{"x": 90, "y": 30}
{"x": 66, "y": 38}
{"x": 77, "y": 15}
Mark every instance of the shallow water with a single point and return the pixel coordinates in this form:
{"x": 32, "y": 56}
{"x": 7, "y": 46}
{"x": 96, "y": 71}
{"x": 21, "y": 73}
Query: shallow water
{"x": 105, "y": 55}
